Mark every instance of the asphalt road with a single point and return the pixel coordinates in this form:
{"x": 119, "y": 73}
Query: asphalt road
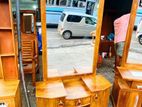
{"x": 70, "y": 51}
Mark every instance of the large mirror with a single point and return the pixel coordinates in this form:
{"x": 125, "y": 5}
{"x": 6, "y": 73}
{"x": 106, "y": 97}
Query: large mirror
{"x": 68, "y": 31}
{"x": 114, "y": 29}
{"x": 135, "y": 51}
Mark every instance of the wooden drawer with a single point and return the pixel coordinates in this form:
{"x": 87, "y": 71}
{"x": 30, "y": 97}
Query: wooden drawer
{"x": 83, "y": 102}
{"x": 100, "y": 99}
{"x": 73, "y": 92}
{"x": 43, "y": 102}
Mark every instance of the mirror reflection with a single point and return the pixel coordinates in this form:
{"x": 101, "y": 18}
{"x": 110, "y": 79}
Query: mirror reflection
{"x": 114, "y": 28}
{"x": 69, "y": 23}
{"x": 135, "y": 51}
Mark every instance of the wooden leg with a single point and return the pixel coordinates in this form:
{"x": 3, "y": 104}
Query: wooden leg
{"x": 140, "y": 101}
{"x": 33, "y": 73}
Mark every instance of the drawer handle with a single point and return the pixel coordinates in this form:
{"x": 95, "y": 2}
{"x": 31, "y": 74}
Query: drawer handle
{"x": 61, "y": 104}
{"x": 96, "y": 97}
{"x": 78, "y": 104}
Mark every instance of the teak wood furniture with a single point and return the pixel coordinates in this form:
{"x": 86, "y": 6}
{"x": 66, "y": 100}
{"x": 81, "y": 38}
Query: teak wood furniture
{"x": 29, "y": 43}
{"x": 127, "y": 87}
{"x": 78, "y": 88}
{"x": 9, "y": 83}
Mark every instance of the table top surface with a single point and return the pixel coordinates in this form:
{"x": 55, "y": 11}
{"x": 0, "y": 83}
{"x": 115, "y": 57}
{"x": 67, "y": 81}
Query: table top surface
{"x": 8, "y": 88}
{"x": 131, "y": 74}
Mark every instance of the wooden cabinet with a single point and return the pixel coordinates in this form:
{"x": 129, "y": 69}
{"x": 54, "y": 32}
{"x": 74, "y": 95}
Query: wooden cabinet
{"x": 9, "y": 93}
{"x": 87, "y": 91}
{"x": 8, "y": 56}
{"x": 9, "y": 83}
{"x": 128, "y": 77}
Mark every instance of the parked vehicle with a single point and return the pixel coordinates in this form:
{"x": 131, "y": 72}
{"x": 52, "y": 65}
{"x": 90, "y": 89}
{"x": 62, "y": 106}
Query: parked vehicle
{"x": 138, "y": 18}
{"x": 139, "y": 32}
{"x": 76, "y": 24}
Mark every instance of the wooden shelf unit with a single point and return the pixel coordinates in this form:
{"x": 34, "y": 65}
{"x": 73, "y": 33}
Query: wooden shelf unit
{"x": 8, "y": 56}
{"x": 9, "y": 83}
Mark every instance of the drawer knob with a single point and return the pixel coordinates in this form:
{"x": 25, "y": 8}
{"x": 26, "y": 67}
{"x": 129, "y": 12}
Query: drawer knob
{"x": 61, "y": 104}
{"x": 78, "y": 104}
{"x": 96, "y": 97}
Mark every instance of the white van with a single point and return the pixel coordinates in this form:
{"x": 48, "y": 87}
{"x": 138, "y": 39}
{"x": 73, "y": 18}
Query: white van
{"x": 139, "y": 32}
{"x": 76, "y": 24}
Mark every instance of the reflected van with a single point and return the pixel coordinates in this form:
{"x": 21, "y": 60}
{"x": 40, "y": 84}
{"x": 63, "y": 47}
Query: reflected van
{"x": 75, "y": 24}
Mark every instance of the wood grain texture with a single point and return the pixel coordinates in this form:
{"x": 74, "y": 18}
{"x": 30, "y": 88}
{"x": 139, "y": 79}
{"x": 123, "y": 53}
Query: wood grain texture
{"x": 44, "y": 40}
{"x": 96, "y": 83}
{"x": 8, "y": 53}
{"x": 50, "y": 89}
{"x": 75, "y": 88}
{"x": 9, "y": 68}
{"x": 5, "y": 15}
{"x": 129, "y": 31}
{"x": 1, "y": 70}
{"x": 130, "y": 74}
{"x": 124, "y": 96}
{"x": 98, "y": 35}
{"x": 9, "y": 93}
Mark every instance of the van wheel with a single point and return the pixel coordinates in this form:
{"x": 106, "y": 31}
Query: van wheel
{"x": 67, "y": 35}
{"x": 140, "y": 39}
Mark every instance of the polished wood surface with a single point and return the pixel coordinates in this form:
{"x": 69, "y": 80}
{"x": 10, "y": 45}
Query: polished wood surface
{"x": 8, "y": 88}
{"x": 130, "y": 74}
{"x": 124, "y": 96}
{"x": 9, "y": 83}
{"x": 73, "y": 92}
{"x": 98, "y": 35}
{"x": 9, "y": 93}
{"x": 44, "y": 40}
{"x": 96, "y": 83}
{"x": 77, "y": 87}
{"x": 50, "y": 89}
{"x": 5, "y": 6}
{"x": 129, "y": 31}
{"x": 8, "y": 56}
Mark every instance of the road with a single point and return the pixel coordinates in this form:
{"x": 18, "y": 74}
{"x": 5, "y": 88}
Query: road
{"x": 57, "y": 41}
{"x": 76, "y": 50}
{"x": 67, "y": 54}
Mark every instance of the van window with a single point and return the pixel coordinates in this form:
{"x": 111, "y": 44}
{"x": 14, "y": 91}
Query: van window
{"x": 89, "y": 20}
{"x": 74, "y": 18}
{"x": 62, "y": 16}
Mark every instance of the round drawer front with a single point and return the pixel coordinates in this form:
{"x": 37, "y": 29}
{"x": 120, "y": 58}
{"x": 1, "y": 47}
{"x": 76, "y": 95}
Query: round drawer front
{"x": 82, "y": 102}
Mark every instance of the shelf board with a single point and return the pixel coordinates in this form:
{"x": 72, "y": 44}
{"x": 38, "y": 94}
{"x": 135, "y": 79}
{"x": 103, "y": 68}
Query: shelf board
{"x": 96, "y": 83}
{"x": 5, "y": 28}
{"x": 3, "y": 55}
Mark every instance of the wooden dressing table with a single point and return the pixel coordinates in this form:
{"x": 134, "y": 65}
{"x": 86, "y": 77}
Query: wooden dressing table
{"x": 80, "y": 87}
{"x": 127, "y": 85}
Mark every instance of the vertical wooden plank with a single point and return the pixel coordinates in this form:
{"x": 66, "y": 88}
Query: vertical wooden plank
{"x": 98, "y": 35}
{"x": 129, "y": 32}
{"x": 1, "y": 70}
{"x": 44, "y": 40}
{"x": 13, "y": 40}
{"x": 34, "y": 16}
